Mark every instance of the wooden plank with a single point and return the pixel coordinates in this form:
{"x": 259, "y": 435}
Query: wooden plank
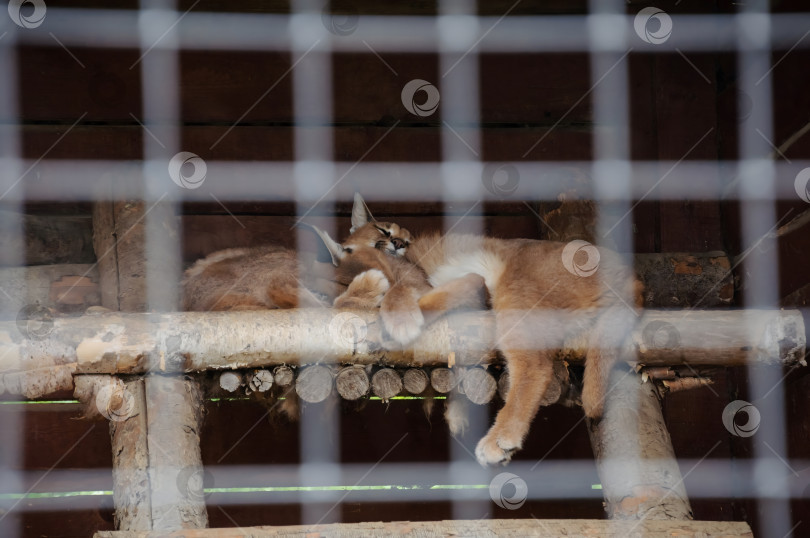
{"x": 103, "y": 88}
{"x": 686, "y": 122}
{"x": 480, "y": 528}
{"x": 211, "y": 79}
{"x": 532, "y": 89}
{"x": 367, "y": 90}
{"x": 643, "y": 147}
{"x": 82, "y": 142}
{"x": 537, "y": 143}
{"x": 369, "y": 143}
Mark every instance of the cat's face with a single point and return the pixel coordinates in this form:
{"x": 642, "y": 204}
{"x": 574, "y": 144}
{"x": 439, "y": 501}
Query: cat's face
{"x": 388, "y": 237}
{"x": 385, "y": 236}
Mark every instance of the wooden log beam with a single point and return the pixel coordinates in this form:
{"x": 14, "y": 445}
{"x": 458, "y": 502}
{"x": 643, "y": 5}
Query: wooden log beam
{"x": 474, "y": 529}
{"x": 640, "y": 476}
{"x": 189, "y": 342}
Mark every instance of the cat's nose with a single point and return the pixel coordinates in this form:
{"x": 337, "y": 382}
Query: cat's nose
{"x": 398, "y": 243}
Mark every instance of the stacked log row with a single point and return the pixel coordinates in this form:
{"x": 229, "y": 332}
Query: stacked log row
{"x": 316, "y": 382}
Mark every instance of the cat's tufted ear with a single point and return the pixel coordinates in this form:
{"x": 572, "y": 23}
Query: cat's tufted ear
{"x": 335, "y": 249}
{"x": 360, "y": 213}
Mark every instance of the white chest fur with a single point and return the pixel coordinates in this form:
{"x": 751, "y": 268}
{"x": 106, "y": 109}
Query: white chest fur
{"x": 480, "y": 262}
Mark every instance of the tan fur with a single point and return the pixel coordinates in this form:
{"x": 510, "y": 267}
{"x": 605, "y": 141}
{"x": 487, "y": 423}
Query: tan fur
{"x": 271, "y": 276}
{"x": 526, "y": 278}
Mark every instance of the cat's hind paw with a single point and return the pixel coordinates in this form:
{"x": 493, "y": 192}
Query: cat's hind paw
{"x": 494, "y": 450}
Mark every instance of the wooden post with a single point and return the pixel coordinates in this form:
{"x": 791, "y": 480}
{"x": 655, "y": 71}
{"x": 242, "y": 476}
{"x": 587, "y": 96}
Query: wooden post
{"x": 634, "y": 455}
{"x": 173, "y": 405}
{"x": 131, "y": 492}
{"x": 123, "y": 404}
{"x": 174, "y": 417}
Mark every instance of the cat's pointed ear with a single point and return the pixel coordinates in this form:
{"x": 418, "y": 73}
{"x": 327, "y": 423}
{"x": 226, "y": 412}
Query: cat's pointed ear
{"x": 360, "y": 213}
{"x": 335, "y": 249}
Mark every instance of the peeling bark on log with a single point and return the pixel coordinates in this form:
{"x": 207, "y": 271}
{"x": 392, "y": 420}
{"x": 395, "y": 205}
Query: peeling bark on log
{"x": 352, "y": 382}
{"x": 415, "y": 380}
{"x": 176, "y": 476}
{"x": 442, "y": 380}
{"x": 479, "y": 385}
{"x": 314, "y": 383}
{"x": 386, "y": 383}
{"x": 260, "y": 381}
{"x": 483, "y": 528}
{"x": 635, "y": 460}
{"x": 230, "y": 381}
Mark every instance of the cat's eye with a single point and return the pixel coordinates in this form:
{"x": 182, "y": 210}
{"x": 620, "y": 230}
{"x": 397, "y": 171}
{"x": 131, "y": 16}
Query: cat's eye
{"x": 383, "y": 231}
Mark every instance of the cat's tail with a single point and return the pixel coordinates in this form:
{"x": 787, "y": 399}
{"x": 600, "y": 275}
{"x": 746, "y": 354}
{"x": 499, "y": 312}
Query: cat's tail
{"x": 610, "y": 342}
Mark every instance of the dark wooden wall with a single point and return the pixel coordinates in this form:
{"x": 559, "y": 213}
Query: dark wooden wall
{"x": 523, "y": 96}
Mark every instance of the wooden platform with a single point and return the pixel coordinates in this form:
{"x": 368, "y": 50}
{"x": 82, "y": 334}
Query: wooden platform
{"x": 481, "y": 528}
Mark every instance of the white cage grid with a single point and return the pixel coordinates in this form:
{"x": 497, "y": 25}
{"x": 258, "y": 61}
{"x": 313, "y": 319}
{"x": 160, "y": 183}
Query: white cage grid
{"x": 458, "y": 35}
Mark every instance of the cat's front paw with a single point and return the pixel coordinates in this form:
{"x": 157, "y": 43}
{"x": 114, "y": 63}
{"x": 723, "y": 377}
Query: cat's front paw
{"x": 494, "y": 449}
{"x": 403, "y": 325}
{"x": 366, "y": 291}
